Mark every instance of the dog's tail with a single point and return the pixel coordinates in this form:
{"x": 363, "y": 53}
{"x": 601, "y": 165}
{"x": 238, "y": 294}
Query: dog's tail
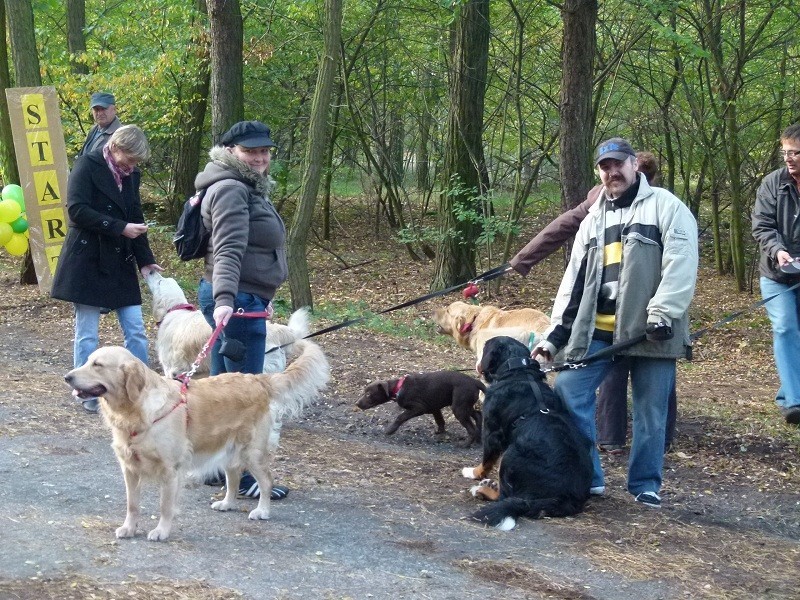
{"x": 504, "y": 513}
{"x": 301, "y": 382}
{"x": 299, "y": 322}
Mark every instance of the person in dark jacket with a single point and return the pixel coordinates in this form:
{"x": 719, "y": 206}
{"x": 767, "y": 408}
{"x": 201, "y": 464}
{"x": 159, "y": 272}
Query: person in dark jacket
{"x": 106, "y": 122}
{"x": 612, "y": 396}
{"x": 106, "y": 244}
{"x": 246, "y": 258}
{"x": 776, "y": 228}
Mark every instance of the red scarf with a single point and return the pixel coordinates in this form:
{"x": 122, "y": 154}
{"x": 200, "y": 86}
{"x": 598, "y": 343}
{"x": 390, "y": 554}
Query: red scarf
{"x": 117, "y": 171}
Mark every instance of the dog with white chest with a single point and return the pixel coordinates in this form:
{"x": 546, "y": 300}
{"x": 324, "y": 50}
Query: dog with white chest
{"x": 546, "y": 467}
{"x": 161, "y": 430}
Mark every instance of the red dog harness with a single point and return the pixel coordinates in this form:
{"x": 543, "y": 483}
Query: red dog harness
{"x": 190, "y": 307}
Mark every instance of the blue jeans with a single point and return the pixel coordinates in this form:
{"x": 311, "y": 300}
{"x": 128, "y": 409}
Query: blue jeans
{"x": 251, "y": 332}
{"x": 652, "y": 380}
{"x": 783, "y": 313}
{"x": 87, "y": 327}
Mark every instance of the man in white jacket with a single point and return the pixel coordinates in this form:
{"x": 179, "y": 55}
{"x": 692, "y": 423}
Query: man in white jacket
{"x": 632, "y": 272}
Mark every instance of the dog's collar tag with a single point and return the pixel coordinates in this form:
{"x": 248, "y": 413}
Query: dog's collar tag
{"x": 518, "y": 362}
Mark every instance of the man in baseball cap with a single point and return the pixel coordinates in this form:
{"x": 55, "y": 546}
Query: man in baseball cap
{"x": 104, "y": 113}
{"x": 630, "y": 279}
{"x": 616, "y": 148}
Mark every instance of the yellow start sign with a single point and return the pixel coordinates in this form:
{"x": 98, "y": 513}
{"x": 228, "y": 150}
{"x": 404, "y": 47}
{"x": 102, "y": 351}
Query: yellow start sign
{"x": 43, "y": 169}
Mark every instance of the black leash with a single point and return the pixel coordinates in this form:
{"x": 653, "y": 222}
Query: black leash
{"x": 483, "y": 277}
{"x": 605, "y": 352}
{"x": 738, "y": 314}
{"x": 554, "y": 367}
{"x": 487, "y": 276}
{"x": 615, "y": 348}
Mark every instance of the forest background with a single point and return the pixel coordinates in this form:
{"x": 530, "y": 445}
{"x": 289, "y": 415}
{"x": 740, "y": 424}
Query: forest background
{"x": 450, "y": 119}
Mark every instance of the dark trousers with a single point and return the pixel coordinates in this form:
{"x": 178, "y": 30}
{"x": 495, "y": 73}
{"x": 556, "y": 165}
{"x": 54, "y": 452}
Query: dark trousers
{"x": 612, "y": 407}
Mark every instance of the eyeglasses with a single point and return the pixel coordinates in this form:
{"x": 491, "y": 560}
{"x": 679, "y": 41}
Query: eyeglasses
{"x": 789, "y": 153}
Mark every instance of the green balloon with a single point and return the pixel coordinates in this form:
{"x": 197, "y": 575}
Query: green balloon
{"x": 14, "y": 192}
{"x": 20, "y": 225}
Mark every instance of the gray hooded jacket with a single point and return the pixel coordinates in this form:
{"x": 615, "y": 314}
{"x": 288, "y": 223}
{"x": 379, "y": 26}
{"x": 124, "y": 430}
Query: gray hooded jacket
{"x": 247, "y": 250}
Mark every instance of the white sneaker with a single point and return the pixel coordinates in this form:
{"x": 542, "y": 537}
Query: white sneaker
{"x": 598, "y": 490}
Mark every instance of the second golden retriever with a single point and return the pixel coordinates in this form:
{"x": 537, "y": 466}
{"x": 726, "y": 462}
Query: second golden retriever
{"x": 159, "y": 433}
{"x": 472, "y": 325}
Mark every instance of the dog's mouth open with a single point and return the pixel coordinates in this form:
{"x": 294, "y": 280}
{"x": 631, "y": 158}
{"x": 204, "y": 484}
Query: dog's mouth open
{"x": 93, "y": 392}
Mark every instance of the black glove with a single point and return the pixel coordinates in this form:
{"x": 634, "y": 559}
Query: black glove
{"x": 658, "y": 332}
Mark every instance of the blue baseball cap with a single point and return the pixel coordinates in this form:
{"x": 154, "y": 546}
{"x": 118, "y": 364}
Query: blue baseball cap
{"x": 616, "y": 148}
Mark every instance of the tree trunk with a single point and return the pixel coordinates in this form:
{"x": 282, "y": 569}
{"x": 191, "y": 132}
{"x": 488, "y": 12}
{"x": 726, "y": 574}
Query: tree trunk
{"x": 317, "y": 144}
{"x": 26, "y": 66}
{"x": 464, "y": 172}
{"x": 575, "y": 108}
{"x": 190, "y": 139}
{"x": 76, "y": 40}
{"x": 8, "y": 159}
{"x": 227, "y": 82}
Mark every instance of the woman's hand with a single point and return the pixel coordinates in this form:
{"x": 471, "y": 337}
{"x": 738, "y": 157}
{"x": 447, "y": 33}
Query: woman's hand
{"x": 222, "y": 314}
{"x": 147, "y": 269}
{"x": 134, "y": 230}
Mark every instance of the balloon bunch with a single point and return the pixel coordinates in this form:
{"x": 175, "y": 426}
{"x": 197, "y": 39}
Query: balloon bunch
{"x": 13, "y": 223}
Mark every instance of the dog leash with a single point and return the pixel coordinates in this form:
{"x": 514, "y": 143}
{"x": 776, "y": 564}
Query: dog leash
{"x": 470, "y": 285}
{"x": 615, "y": 348}
{"x": 184, "y": 378}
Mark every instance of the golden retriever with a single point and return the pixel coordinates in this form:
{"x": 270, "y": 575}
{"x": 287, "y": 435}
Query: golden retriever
{"x": 160, "y": 433}
{"x": 182, "y": 331}
{"x": 471, "y": 325}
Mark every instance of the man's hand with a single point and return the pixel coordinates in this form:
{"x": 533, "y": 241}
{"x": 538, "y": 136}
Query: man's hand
{"x": 543, "y": 352}
{"x": 658, "y": 332}
{"x": 783, "y": 258}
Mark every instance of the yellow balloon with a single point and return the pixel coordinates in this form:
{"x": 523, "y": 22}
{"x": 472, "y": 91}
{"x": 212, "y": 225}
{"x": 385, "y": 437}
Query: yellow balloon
{"x": 17, "y": 245}
{"x": 9, "y": 211}
{"x": 5, "y": 233}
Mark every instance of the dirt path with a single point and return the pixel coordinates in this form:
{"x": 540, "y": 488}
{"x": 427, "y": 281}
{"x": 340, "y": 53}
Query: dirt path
{"x": 369, "y": 516}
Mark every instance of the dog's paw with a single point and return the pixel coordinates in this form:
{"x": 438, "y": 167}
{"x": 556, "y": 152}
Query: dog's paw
{"x": 159, "y": 534}
{"x": 487, "y": 489}
{"x": 222, "y": 505}
{"x": 469, "y": 472}
{"x": 506, "y": 524}
{"x": 259, "y": 514}
{"x": 126, "y": 530}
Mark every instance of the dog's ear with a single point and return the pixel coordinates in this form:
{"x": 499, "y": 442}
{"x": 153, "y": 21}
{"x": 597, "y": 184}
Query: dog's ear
{"x": 384, "y": 386}
{"x": 134, "y": 378}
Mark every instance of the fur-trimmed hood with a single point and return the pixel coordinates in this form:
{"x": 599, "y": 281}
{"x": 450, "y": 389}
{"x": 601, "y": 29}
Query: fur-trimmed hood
{"x": 225, "y": 165}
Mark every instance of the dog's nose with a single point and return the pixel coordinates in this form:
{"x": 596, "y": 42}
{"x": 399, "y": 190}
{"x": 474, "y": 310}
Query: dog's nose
{"x": 68, "y": 377}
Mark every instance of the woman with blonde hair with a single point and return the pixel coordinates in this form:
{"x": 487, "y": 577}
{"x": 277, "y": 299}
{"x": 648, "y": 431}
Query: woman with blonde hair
{"x": 106, "y": 245}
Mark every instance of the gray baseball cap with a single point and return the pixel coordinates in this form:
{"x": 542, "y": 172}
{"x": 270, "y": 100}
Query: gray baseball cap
{"x": 102, "y": 99}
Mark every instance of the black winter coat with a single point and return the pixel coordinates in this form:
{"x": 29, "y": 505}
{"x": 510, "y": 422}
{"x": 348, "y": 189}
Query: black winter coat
{"x": 99, "y": 266}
